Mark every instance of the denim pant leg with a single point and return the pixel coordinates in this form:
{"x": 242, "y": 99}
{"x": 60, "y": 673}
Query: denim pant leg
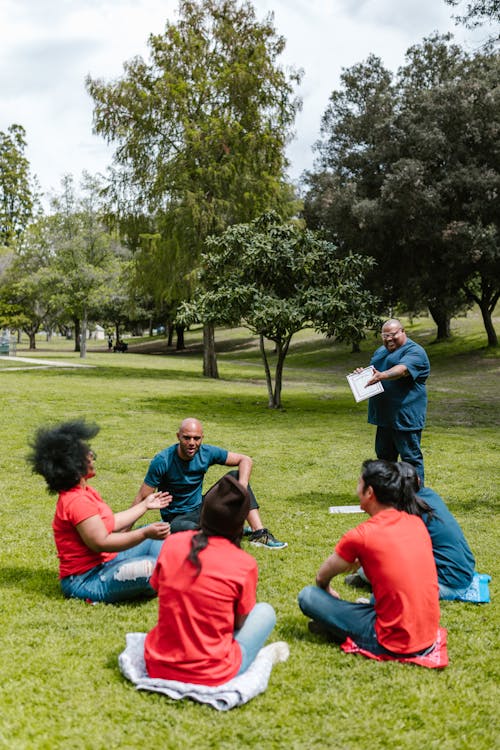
{"x": 125, "y": 577}
{"x": 253, "y": 500}
{"x": 341, "y": 618}
{"x": 254, "y": 633}
{"x": 408, "y": 445}
{"x": 185, "y": 521}
{"x": 385, "y": 447}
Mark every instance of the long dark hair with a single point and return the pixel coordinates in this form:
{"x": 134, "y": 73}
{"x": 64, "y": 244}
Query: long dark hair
{"x": 198, "y": 543}
{"x": 410, "y": 484}
{"x": 60, "y": 453}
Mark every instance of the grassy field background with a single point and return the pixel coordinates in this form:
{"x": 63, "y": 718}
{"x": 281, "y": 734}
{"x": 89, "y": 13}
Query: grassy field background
{"x": 60, "y": 685}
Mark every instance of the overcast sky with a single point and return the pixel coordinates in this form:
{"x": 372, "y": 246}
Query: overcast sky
{"x": 47, "y": 47}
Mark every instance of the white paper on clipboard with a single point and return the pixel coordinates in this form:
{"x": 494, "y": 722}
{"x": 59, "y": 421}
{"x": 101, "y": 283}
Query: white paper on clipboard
{"x": 358, "y": 381}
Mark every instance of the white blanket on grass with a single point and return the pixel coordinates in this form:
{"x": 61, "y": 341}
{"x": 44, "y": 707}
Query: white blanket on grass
{"x": 236, "y": 692}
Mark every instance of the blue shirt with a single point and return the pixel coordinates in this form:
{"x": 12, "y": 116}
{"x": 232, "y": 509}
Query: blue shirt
{"x": 183, "y": 479}
{"x": 403, "y": 404}
{"x": 454, "y": 560}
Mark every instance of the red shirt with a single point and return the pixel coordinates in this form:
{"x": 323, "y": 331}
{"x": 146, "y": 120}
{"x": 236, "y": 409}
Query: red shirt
{"x": 194, "y": 638}
{"x": 73, "y": 507}
{"x": 395, "y": 551}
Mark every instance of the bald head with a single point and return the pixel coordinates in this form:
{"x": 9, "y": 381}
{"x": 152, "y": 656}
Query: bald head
{"x": 191, "y": 423}
{"x": 190, "y": 435}
{"x": 393, "y": 334}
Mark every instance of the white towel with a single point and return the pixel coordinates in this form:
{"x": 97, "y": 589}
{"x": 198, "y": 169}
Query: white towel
{"x": 236, "y": 692}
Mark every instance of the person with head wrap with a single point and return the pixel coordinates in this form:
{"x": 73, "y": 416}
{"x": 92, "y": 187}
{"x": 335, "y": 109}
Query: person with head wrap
{"x": 100, "y": 559}
{"x": 209, "y": 627}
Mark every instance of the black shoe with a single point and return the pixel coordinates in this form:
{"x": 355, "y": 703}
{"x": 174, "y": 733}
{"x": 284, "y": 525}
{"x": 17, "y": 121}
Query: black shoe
{"x": 357, "y": 582}
{"x": 317, "y": 628}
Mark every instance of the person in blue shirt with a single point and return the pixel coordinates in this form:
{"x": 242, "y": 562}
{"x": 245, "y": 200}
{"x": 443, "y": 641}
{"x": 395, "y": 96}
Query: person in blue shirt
{"x": 402, "y": 366}
{"x": 454, "y": 560}
{"x": 180, "y": 470}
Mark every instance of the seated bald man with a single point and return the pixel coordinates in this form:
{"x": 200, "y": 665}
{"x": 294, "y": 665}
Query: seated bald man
{"x": 180, "y": 470}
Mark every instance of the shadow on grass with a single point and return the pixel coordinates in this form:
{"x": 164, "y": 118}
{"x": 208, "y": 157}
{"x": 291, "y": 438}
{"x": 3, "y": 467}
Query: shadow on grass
{"x": 42, "y": 581}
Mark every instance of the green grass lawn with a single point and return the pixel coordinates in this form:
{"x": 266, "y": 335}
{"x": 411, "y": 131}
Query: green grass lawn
{"x": 61, "y": 687}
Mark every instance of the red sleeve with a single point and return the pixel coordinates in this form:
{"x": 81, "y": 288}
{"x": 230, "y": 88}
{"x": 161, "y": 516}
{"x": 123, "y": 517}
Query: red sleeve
{"x": 79, "y": 506}
{"x": 350, "y": 545}
{"x": 248, "y": 596}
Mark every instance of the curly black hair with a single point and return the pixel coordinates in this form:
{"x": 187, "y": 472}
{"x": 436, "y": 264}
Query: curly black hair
{"x": 60, "y": 453}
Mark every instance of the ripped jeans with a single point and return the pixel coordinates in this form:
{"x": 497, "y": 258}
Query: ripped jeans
{"x": 124, "y": 577}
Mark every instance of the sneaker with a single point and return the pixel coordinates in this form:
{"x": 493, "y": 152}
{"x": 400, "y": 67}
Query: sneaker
{"x": 357, "y": 581}
{"x": 362, "y": 600}
{"x": 247, "y": 531}
{"x": 277, "y": 652}
{"x": 264, "y": 538}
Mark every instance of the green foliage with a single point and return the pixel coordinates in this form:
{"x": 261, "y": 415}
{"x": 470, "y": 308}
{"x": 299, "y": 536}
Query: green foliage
{"x": 16, "y": 195}
{"x": 478, "y": 12}
{"x": 60, "y": 684}
{"x": 88, "y": 262}
{"x": 200, "y": 132}
{"x": 276, "y": 278}
{"x": 409, "y": 174}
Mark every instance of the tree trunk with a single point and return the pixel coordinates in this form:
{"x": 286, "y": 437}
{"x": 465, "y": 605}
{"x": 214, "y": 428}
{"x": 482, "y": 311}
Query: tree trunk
{"x": 282, "y": 350}
{"x": 170, "y": 333}
{"x": 77, "y": 334}
{"x": 442, "y": 320}
{"x": 210, "y": 369}
{"x": 486, "y": 311}
{"x": 83, "y": 338}
{"x": 32, "y": 338}
{"x": 180, "y": 338}
{"x": 269, "y": 381}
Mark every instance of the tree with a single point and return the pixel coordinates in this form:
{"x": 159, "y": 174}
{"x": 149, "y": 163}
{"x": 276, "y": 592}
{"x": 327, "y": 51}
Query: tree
{"x": 27, "y": 300}
{"x": 86, "y": 254}
{"x": 201, "y": 128}
{"x": 408, "y": 173}
{"x": 16, "y": 195}
{"x": 478, "y": 12}
{"x": 276, "y": 278}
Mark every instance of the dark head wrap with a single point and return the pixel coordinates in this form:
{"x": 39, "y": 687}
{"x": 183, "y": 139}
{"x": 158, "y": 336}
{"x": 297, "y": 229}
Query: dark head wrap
{"x": 225, "y": 507}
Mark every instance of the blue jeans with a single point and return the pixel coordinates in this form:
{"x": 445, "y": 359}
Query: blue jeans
{"x": 390, "y": 443}
{"x": 254, "y": 633}
{"x": 341, "y": 618}
{"x": 191, "y": 520}
{"x": 345, "y": 619}
{"x": 125, "y": 577}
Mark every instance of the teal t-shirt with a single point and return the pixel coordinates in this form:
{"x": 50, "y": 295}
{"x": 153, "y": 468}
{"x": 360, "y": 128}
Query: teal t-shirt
{"x": 183, "y": 479}
{"x": 403, "y": 404}
{"x": 454, "y": 560}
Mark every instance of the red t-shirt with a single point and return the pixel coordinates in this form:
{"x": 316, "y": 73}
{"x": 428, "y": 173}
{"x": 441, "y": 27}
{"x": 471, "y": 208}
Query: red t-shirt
{"x": 73, "y": 507}
{"x": 395, "y": 551}
{"x": 194, "y": 638}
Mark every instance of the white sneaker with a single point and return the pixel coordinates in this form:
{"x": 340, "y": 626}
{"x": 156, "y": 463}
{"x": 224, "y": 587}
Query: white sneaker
{"x": 278, "y": 651}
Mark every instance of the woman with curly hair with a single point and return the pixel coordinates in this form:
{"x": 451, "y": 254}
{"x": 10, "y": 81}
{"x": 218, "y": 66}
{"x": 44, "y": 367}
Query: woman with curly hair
{"x": 100, "y": 559}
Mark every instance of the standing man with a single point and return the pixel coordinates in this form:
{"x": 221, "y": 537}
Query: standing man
{"x": 180, "y": 470}
{"x": 402, "y": 366}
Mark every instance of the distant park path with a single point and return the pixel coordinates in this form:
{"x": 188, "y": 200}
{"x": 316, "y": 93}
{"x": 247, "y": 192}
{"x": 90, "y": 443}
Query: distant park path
{"x": 38, "y": 364}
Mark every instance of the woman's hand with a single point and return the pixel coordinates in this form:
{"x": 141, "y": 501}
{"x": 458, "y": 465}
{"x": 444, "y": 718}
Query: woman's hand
{"x": 158, "y": 530}
{"x": 157, "y": 500}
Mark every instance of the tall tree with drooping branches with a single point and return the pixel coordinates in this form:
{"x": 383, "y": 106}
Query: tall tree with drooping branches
{"x": 201, "y": 128}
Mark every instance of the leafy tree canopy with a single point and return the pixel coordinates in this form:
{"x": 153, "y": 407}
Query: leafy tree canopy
{"x": 276, "y": 278}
